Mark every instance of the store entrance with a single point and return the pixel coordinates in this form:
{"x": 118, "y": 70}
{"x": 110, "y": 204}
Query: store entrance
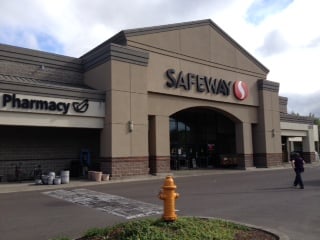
{"x": 199, "y": 138}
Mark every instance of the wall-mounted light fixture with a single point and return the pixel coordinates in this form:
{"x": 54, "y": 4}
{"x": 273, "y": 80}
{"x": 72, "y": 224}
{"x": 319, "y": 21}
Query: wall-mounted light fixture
{"x": 130, "y": 126}
{"x": 272, "y": 132}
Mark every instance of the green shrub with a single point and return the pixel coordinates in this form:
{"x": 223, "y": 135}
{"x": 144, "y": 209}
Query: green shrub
{"x": 156, "y": 229}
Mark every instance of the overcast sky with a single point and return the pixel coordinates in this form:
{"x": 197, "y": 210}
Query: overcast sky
{"x": 283, "y": 35}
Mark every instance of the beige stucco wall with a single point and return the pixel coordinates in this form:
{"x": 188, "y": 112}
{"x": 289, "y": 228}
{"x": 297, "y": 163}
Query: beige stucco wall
{"x": 157, "y": 79}
{"x": 126, "y": 100}
{"x": 98, "y": 77}
{"x": 309, "y": 134}
{"x": 165, "y": 105}
{"x": 316, "y": 133}
{"x": 244, "y": 116}
{"x": 294, "y": 129}
{"x": 137, "y": 93}
{"x": 206, "y": 52}
{"x": 202, "y": 51}
{"x": 267, "y": 134}
{"x": 201, "y": 43}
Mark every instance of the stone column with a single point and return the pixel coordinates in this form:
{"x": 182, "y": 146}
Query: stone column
{"x": 122, "y": 72}
{"x": 244, "y": 144}
{"x": 267, "y": 134}
{"x": 308, "y": 146}
{"x": 159, "y": 144}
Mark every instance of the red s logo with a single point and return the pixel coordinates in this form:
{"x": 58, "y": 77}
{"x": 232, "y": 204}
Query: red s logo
{"x": 240, "y": 90}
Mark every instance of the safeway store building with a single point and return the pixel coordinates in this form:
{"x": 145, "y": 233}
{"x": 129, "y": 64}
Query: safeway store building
{"x": 146, "y": 101}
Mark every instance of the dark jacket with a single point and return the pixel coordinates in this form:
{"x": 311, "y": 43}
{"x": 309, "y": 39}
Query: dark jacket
{"x": 298, "y": 164}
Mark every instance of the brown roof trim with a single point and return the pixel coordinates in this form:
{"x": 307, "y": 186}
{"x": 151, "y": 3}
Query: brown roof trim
{"x": 36, "y": 57}
{"x": 24, "y": 85}
{"x": 165, "y": 28}
{"x": 110, "y": 51}
{"x": 296, "y": 119}
{"x": 119, "y": 39}
{"x": 283, "y": 100}
{"x": 266, "y": 85}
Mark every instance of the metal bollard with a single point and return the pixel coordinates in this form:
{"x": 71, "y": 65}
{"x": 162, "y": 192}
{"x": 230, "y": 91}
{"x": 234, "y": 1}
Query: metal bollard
{"x": 169, "y": 196}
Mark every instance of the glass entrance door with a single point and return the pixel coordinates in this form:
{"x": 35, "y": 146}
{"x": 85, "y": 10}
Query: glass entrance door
{"x": 198, "y": 136}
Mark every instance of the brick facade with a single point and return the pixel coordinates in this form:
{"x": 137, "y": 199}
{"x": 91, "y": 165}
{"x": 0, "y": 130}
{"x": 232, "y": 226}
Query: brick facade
{"x": 125, "y": 166}
{"x": 245, "y": 160}
{"x": 309, "y": 157}
{"x": 52, "y": 148}
{"x": 267, "y": 159}
{"x": 159, "y": 164}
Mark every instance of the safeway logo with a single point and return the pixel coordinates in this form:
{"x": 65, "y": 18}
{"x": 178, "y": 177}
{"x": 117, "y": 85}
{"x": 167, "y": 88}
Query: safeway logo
{"x": 240, "y": 90}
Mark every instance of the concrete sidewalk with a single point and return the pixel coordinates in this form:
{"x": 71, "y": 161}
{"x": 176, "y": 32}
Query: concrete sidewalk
{"x": 26, "y": 186}
{"x": 31, "y": 186}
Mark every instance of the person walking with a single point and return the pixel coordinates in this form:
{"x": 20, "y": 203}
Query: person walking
{"x": 298, "y": 165}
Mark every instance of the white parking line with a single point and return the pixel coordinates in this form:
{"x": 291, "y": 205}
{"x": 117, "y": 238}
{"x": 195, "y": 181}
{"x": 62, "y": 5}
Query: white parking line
{"x": 112, "y": 204}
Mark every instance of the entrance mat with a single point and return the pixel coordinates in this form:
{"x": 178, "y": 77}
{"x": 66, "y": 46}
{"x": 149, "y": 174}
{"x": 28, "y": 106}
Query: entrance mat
{"x": 112, "y": 204}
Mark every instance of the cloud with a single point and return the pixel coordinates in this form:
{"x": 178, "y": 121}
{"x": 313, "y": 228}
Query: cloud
{"x": 296, "y": 70}
{"x": 261, "y": 9}
{"x": 314, "y": 43}
{"x": 304, "y": 104}
{"x": 287, "y": 43}
{"x": 274, "y": 43}
{"x": 30, "y": 39}
{"x": 26, "y": 24}
{"x": 79, "y": 26}
{"x": 125, "y": 14}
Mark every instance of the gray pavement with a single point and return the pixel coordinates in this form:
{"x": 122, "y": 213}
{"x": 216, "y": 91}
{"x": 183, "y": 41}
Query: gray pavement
{"x": 260, "y": 197}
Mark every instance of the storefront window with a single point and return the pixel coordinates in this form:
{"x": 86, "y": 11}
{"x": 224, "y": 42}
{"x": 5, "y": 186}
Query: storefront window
{"x": 198, "y": 137}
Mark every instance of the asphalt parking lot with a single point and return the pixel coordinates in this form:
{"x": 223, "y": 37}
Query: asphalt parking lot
{"x": 264, "y": 198}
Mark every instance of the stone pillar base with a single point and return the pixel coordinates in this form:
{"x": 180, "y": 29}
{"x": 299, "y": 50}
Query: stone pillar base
{"x": 159, "y": 165}
{"x": 309, "y": 157}
{"x": 245, "y": 161}
{"x": 119, "y": 167}
{"x": 267, "y": 159}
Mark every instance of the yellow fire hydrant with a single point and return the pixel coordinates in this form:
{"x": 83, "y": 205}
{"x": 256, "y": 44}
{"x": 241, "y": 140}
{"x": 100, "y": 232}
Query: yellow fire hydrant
{"x": 169, "y": 196}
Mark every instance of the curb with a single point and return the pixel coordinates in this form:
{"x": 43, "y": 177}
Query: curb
{"x": 30, "y": 186}
{"x": 277, "y": 234}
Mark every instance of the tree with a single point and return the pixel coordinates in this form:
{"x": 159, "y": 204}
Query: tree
{"x": 294, "y": 113}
